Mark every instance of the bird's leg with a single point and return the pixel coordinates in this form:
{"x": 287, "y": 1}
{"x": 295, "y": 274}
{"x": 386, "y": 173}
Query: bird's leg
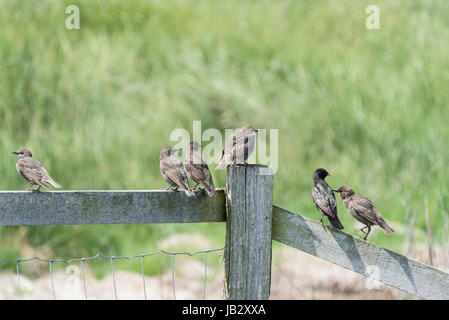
{"x": 363, "y": 231}
{"x": 176, "y": 189}
{"x": 366, "y": 235}
{"x": 194, "y": 188}
{"x": 38, "y": 189}
{"x": 322, "y": 223}
{"x": 234, "y": 162}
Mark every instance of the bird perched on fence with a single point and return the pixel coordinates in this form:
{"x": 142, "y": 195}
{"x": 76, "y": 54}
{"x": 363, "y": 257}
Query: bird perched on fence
{"x": 197, "y": 169}
{"x": 324, "y": 199}
{"x": 363, "y": 210}
{"x": 239, "y": 147}
{"x": 173, "y": 171}
{"x": 32, "y": 171}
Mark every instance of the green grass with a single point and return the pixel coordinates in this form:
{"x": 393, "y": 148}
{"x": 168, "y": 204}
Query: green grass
{"x": 96, "y": 105}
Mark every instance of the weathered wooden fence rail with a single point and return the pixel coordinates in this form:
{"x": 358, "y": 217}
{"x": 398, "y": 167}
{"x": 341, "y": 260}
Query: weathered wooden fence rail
{"x": 359, "y": 255}
{"x": 19, "y": 208}
{"x": 252, "y": 222}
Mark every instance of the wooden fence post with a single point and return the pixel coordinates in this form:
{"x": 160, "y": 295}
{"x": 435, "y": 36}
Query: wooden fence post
{"x": 248, "y": 232}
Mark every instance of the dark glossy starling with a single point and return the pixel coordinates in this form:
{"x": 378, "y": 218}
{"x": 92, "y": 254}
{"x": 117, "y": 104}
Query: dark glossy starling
{"x": 173, "y": 171}
{"x": 324, "y": 199}
{"x": 32, "y": 171}
{"x": 197, "y": 169}
{"x": 239, "y": 147}
{"x": 363, "y": 210}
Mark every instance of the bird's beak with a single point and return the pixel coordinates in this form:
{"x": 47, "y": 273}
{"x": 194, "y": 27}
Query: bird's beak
{"x": 176, "y": 150}
{"x": 14, "y": 152}
{"x": 257, "y": 130}
{"x": 335, "y": 190}
{"x": 330, "y": 174}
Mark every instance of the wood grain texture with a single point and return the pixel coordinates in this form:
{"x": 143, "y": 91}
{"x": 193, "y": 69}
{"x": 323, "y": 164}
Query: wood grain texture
{"x": 248, "y": 232}
{"x": 360, "y": 256}
{"x": 19, "y": 208}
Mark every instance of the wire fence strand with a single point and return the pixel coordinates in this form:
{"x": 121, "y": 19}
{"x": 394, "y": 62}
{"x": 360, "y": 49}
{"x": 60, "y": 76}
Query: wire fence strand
{"x": 51, "y": 280}
{"x": 84, "y": 260}
{"x": 83, "y": 278}
{"x": 143, "y": 278}
{"x": 173, "y": 276}
{"x": 18, "y": 278}
{"x": 205, "y": 275}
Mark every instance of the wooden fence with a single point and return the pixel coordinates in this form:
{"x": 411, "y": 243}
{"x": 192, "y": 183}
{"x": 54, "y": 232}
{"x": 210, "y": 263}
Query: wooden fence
{"x": 252, "y": 222}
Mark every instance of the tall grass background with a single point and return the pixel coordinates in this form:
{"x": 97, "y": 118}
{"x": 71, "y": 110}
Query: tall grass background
{"x": 96, "y": 105}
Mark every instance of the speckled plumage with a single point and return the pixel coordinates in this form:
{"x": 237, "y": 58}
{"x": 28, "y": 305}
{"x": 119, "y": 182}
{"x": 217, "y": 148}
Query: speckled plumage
{"x": 32, "y": 171}
{"x": 324, "y": 199}
{"x": 173, "y": 171}
{"x": 197, "y": 169}
{"x": 363, "y": 210}
{"x": 239, "y": 147}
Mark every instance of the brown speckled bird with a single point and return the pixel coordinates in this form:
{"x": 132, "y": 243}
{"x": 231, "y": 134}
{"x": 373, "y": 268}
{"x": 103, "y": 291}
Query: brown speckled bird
{"x": 173, "y": 171}
{"x": 239, "y": 147}
{"x": 324, "y": 199}
{"x": 363, "y": 210}
{"x": 32, "y": 171}
{"x": 197, "y": 169}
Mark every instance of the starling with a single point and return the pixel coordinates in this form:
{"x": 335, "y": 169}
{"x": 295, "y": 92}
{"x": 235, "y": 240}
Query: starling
{"x": 173, "y": 171}
{"x": 363, "y": 210}
{"x": 324, "y": 199}
{"x": 32, "y": 171}
{"x": 197, "y": 169}
{"x": 239, "y": 147}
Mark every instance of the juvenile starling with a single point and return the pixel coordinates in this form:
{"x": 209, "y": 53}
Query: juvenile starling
{"x": 173, "y": 171}
{"x": 363, "y": 210}
{"x": 32, "y": 171}
{"x": 197, "y": 169}
{"x": 239, "y": 147}
{"x": 324, "y": 199}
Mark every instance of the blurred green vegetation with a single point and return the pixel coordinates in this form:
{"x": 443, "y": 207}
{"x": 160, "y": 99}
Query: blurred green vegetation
{"x": 96, "y": 105}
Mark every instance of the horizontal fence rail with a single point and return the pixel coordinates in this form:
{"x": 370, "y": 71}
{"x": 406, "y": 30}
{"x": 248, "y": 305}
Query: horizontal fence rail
{"x": 21, "y": 208}
{"x": 360, "y": 256}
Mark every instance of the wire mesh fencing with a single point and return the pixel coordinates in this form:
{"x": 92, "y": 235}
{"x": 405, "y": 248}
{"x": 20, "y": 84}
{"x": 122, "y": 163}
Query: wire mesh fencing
{"x": 113, "y": 260}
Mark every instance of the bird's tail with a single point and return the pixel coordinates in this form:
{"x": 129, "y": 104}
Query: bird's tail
{"x": 211, "y": 192}
{"x": 53, "y": 183}
{"x": 334, "y": 223}
{"x": 189, "y": 192}
{"x": 221, "y": 165}
{"x": 385, "y": 227}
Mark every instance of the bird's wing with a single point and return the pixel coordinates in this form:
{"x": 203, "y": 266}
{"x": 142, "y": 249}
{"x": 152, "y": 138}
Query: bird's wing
{"x": 202, "y": 172}
{"x": 365, "y": 208}
{"x": 325, "y": 200}
{"x": 195, "y": 167}
{"x": 242, "y": 148}
{"x": 166, "y": 167}
{"x": 231, "y": 143}
{"x": 176, "y": 173}
{"x": 32, "y": 171}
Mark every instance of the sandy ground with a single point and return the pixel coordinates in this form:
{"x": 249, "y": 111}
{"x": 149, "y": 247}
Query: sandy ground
{"x": 295, "y": 275}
